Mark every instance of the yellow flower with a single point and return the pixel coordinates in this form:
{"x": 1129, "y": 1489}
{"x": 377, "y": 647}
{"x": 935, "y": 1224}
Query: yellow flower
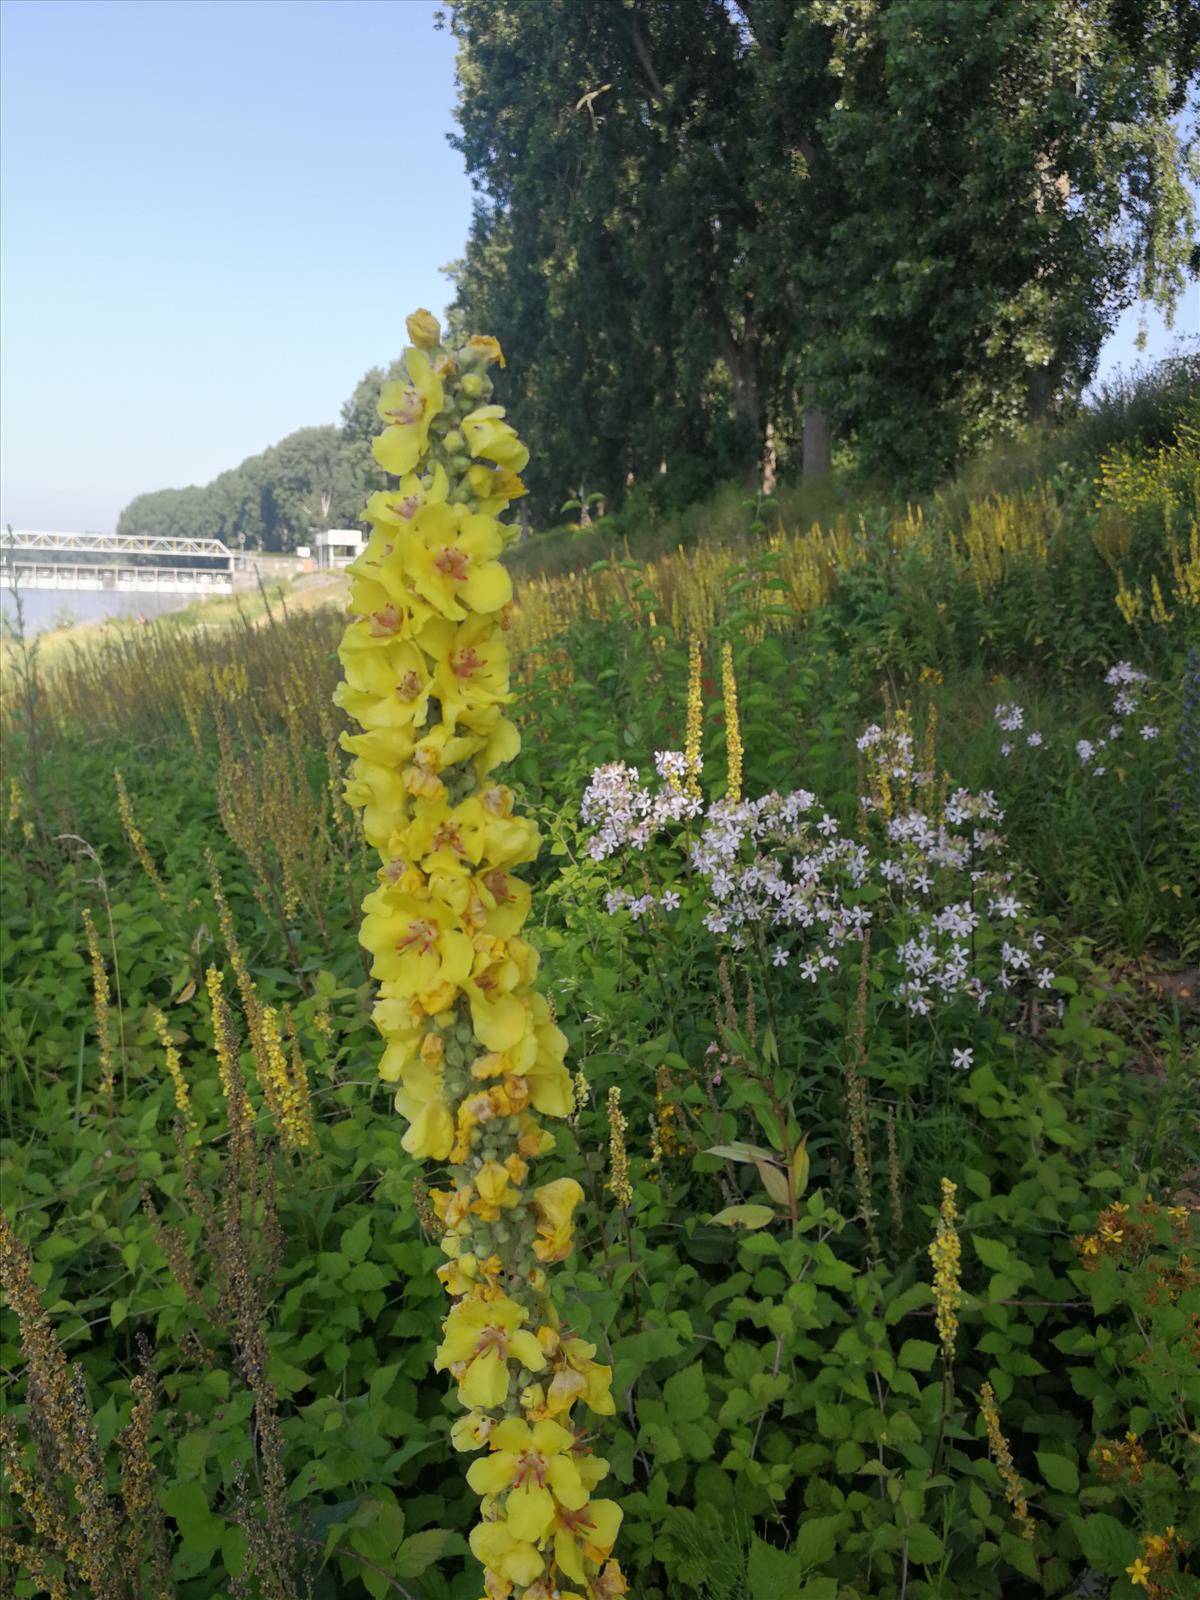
{"x": 451, "y": 562}
{"x": 513, "y": 1559}
{"x": 493, "y": 439}
{"x": 392, "y": 510}
{"x": 494, "y": 487}
{"x": 484, "y": 348}
{"x": 481, "y": 1335}
{"x": 470, "y": 665}
{"x": 378, "y": 792}
{"x": 386, "y": 686}
{"x": 1139, "y": 1572}
{"x": 578, "y": 1377}
{"x": 553, "y": 1203}
{"x": 588, "y": 1534}
{"x": 536, "y": 1465}
{"x": 415, "y": 942}
{"x": 408, "y": 409}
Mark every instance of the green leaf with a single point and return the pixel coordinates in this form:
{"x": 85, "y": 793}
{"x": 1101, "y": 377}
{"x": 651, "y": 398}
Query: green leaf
{"x": 773, "y": 1181}
{"x": 686, "y": 1394}
{"x": 816, "y": 1540}
{"x": 419, "y": 1551}
{"x": 1108, "y": 1545}
{"x": 917, "y": 1354}
{"x": 356, "y": 1241}
{"x": 740, "y": 1152}
{"x": 745, "y": 1216}
{"x": 770, "y": 1573}
{"x": 924, "y": 1545}
{"x": 992, "y": 1252}
{"x": 1058, "y": 1472}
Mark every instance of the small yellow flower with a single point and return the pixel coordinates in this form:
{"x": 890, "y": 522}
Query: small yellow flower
{"x": 1139, "y": 1573}
{"x": 499, "y": 1551}
{"x": 587, "y": 1534}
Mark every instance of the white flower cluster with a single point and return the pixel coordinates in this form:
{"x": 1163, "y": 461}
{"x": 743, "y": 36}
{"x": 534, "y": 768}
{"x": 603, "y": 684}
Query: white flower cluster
{"x": 777, "y": 870}
{"x": 624, "y": 814}
{"x": 1126, "y": 680}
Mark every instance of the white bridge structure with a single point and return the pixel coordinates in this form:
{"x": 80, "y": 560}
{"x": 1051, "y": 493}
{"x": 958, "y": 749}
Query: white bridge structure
{"x": 117, "y": 563}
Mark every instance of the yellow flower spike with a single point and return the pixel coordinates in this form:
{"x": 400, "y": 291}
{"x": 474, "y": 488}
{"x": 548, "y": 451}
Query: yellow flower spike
{"x": 733, "y": 733}
{"x": 946, "y": 1254}
{"x": 474, "y": 1054}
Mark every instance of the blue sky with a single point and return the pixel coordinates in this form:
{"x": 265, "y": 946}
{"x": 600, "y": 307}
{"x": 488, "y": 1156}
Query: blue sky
{"x": 216, "y": 214}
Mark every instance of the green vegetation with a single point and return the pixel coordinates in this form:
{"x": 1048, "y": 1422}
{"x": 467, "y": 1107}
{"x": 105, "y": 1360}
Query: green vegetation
{"x": 211, "y": 1217}
{"x": 727, "y": 240}
{"x": 715, "y": 235}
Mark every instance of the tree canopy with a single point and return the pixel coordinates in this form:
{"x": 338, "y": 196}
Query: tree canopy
{"x": 699, "y": 221}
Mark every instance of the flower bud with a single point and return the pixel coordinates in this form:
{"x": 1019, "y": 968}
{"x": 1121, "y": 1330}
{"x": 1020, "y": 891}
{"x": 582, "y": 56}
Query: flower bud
{"x": 424, "y": 330}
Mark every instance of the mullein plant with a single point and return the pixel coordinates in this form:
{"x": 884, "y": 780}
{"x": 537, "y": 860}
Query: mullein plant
{"x": 473, "y": 1051}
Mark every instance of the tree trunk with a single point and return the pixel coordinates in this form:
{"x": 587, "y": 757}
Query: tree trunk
{"x": 769, "y": 460}
{"x": 817, "y": 445}
{"x": 743, "y": 379}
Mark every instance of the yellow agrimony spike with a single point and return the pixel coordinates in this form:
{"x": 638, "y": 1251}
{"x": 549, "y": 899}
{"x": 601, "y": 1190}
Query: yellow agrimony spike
{"x": 472, "y": 1050}
{"x": 695, "y": 718}
{"x": 183, "y": 1099}
{"x": 1014, "y": 1490}
{"x": 946, "y": 1254}
{"x": 101, "y": 1007}
{"x": 733, "y": 732}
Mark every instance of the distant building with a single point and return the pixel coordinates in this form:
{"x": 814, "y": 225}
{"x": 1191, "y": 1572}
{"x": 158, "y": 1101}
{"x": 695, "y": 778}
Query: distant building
{"x": 338, "y": 547}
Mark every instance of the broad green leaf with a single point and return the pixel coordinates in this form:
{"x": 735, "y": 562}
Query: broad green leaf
{"x": 745, "y": 1216}
{"x": 419, "y": 1550}
{"x": 1059, "y": 1472}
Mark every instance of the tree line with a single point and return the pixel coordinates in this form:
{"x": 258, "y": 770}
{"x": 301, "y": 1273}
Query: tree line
{"x": 314, "y": 478}
{"x": 716, "y": 237}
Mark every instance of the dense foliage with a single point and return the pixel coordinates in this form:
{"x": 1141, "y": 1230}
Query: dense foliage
{"x": 913, "y": 221}
{"x": 219, "y": 1262}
